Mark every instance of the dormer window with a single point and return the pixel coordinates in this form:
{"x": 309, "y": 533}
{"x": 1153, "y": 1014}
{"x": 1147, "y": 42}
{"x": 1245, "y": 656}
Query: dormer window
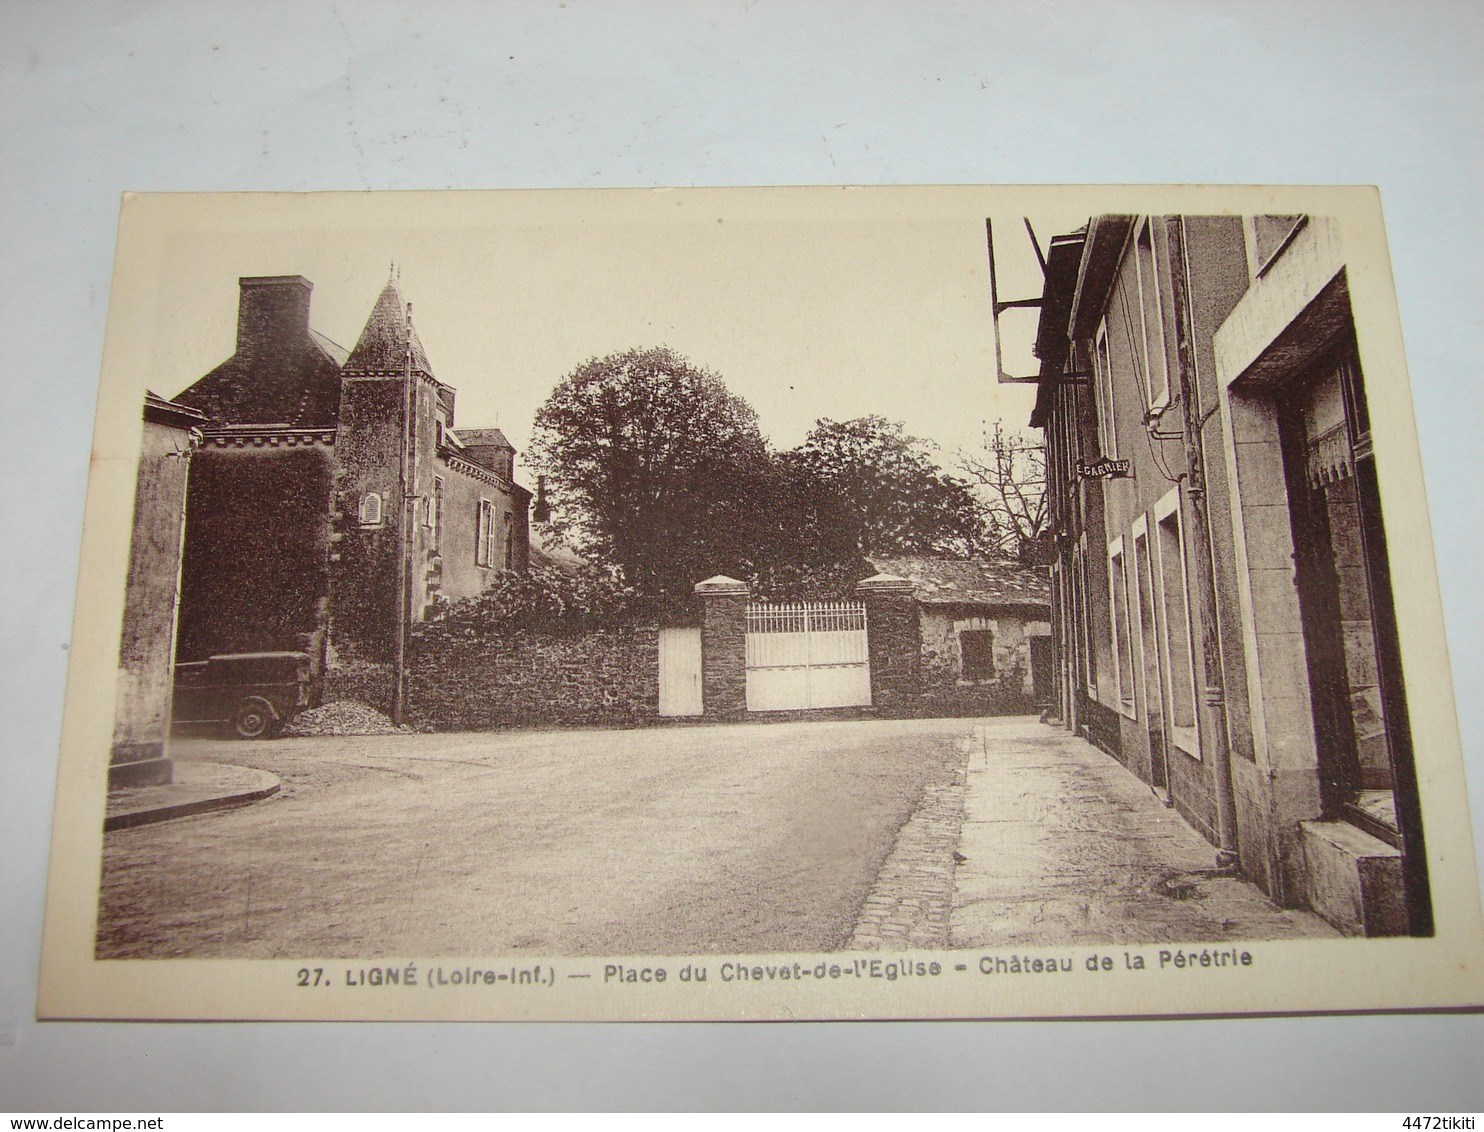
{"x": 371, "y": 509}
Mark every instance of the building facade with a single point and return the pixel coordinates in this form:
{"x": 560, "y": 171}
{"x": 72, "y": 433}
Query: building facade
{"x": 1221, "y": 590}
{"x": 986, "y": 633}
{"x": 334, "y": 501}
{"x": 141, "y": 728}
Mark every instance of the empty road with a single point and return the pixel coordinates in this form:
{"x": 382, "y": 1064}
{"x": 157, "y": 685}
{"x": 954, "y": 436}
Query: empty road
{"x": 672, "y": 840}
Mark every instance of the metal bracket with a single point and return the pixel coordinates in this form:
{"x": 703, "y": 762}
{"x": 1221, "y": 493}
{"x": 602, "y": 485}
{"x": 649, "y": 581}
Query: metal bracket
{"x": 998, "y": 307}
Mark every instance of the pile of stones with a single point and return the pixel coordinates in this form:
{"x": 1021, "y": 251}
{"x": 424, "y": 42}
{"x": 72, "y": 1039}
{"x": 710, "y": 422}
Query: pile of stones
{"x": 345, "y": 717}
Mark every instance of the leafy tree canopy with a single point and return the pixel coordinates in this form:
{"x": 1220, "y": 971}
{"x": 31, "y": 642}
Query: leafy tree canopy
{"x": 657, "y": 471}
{"x": 654, "y": 466}
{"x": 881, "y": 492}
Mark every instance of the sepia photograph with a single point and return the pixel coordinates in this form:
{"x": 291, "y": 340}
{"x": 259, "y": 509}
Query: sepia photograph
{"x": 767, "y": 603}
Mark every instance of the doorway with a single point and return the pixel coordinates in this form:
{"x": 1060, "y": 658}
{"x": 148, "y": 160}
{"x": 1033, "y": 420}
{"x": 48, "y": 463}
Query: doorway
{"x": 1342, "y": 574}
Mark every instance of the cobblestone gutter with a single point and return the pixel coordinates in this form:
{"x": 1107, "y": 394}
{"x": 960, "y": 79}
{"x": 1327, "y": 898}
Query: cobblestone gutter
{"x": 909, "y": 905}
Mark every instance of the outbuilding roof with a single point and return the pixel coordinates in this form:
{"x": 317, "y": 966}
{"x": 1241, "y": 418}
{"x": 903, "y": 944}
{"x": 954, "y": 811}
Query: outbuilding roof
{"x": 970, "y": 581}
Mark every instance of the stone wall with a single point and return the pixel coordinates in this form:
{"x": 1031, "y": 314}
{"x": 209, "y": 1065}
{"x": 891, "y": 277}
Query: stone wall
{"x": 364, "y": 681}
{"x": 1010, "y": 690}
{"x": 607, "y": 677}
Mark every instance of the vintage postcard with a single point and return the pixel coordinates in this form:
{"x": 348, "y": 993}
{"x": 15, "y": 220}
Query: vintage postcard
{"x": 757, "y": 604}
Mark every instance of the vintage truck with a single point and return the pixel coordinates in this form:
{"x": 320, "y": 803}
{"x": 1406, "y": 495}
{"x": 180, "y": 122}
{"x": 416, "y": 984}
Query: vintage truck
{"x": 250, "y": 695}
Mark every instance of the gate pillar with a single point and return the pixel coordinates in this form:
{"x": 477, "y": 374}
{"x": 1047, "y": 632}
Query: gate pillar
{"x": 894, "y": 636}
{"x": 723, "y": 603}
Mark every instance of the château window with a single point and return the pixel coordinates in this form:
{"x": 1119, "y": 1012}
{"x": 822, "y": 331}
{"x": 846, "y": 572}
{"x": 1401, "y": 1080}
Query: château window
{"x": 485, "y": 534}
{"x": 371, "y": 509}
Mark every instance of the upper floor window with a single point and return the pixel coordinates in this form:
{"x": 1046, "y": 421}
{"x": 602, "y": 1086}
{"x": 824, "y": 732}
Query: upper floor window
{"x": 1103, "y": 376}
{"x": 484, "y": 535}
{"x": 1153, "y": 286}
{"x": 370, "y": 512}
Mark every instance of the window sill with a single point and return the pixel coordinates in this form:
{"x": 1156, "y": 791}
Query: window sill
{"x": 1283, "y": 245}
{"x": 1187, "y": 741}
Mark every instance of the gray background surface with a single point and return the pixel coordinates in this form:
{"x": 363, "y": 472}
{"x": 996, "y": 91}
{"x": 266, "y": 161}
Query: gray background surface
{"x": 100, "y": 98}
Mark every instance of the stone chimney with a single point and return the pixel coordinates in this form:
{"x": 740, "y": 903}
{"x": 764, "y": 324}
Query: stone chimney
{"x": 272, "y": 311}
{"x": 541, "y": 509}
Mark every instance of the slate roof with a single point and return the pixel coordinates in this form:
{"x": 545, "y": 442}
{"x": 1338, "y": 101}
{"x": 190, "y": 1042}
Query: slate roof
{"x": 970, "y": 581}
{"x": 297, "y": 385}
{"x": 483, "y": 438}
{"x": 335, "y": 350}
{"x": 383, "y": 343}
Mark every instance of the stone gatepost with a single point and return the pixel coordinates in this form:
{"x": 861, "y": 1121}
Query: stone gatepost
{"x": 894, "y": 636}
{"x": 723, "y": 603}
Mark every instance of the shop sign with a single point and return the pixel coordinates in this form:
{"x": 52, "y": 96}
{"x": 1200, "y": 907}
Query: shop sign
{"x": 1103, "y": 470}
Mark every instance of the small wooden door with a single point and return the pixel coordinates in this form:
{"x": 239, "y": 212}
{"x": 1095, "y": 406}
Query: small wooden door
{"x": 680, "y": 671}
{"x": 1043, "y": 671}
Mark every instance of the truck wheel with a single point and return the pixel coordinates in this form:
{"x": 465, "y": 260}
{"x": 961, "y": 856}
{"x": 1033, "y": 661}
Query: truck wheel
{"x": 254, "y": 719}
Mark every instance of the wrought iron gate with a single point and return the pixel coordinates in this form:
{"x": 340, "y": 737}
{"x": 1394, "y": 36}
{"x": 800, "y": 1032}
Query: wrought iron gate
{"x": 807, "y": 655}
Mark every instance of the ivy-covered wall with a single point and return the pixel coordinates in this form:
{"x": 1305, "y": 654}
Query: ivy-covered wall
{"x": 459, "y": 681}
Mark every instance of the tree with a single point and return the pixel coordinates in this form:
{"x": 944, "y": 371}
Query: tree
{"x": 806, "y": 552}
{"x": 1010, "y": 470}
{"x": 879, "y": 492}
{"x": 655, "y": 467}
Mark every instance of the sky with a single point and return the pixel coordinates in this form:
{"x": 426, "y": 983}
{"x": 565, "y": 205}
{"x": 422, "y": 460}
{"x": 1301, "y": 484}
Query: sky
{"x": 807, "y": 303}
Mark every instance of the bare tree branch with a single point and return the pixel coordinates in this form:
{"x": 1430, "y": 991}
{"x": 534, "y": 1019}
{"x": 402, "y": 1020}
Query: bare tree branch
{"x": 1009, "y": 469}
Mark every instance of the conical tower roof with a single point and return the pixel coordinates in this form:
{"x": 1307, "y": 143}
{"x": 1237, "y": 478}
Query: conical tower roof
{"x": 382, "y": 346}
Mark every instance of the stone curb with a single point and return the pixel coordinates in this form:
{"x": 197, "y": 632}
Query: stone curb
{"x": 199, "y": 788}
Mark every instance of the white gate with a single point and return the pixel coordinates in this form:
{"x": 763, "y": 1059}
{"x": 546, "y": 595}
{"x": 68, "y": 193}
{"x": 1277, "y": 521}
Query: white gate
{"x": 807, "y": 655}
{"x": 680, "y": 672}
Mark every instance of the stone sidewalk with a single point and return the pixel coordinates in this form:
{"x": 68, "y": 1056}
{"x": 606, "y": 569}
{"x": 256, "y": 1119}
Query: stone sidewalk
{"x": 1045, "y": 840}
